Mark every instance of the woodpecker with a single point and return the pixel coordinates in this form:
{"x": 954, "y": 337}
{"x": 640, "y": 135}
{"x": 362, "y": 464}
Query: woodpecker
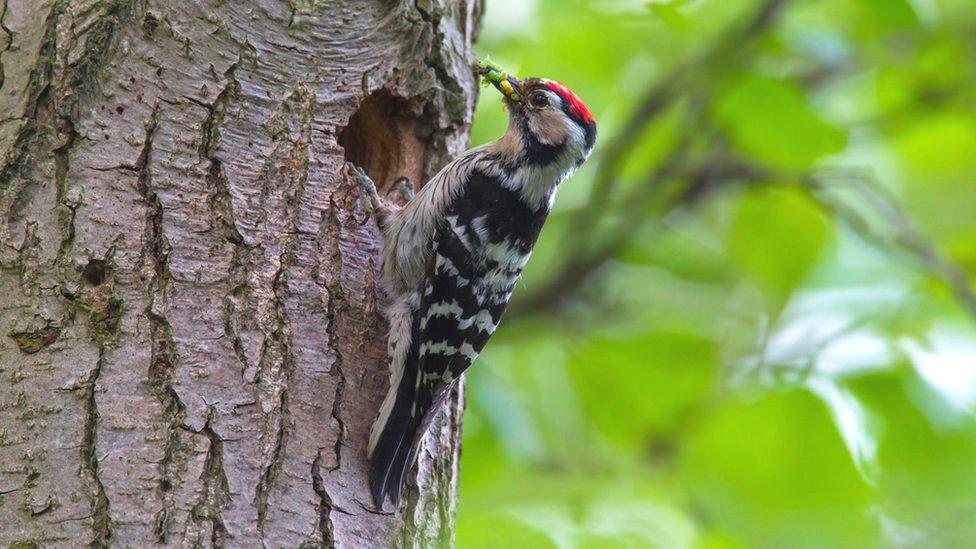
{"x": 453, "y": 253}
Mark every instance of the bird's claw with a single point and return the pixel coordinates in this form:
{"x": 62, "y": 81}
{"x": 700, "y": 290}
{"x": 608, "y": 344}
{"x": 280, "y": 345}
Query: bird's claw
{"x": 367, "y": 188}
{"x": 367, "y": 184}
{"x": 401, "y": 192}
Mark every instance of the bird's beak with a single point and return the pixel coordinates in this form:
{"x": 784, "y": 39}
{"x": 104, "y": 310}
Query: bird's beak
{"x": 508, "y": 85}
{"x": 514, "y": 87}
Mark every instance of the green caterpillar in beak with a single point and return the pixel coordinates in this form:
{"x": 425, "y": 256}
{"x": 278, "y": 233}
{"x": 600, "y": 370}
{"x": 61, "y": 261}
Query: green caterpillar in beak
{"x": 492, "y": 74}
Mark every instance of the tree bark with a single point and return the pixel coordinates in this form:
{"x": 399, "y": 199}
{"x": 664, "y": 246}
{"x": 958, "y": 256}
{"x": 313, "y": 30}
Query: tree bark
{"x": 191, "y": 341}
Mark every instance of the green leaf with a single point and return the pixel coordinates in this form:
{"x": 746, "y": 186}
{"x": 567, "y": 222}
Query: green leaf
{"x": 490, "y": 530}
{"x": 650, "y": 395}
{"x": 942, "y": 143}
{"x": 681, "y": 253}
{"x": 926, "y": 453}
{"x": 938, "y": 150}
{"x": 774, "y": 472}
{"x": 771, "y": 120}
{"x": 888, "y": 14}
{"x": 776, "y": 237}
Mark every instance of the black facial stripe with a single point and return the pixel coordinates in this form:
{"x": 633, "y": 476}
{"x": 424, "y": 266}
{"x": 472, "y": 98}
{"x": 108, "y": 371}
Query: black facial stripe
{"x": 539, "y": 154}
{"x": 568, "y": 111}
{"x": 589, "y": 132}
{"x": 536, "y": 152}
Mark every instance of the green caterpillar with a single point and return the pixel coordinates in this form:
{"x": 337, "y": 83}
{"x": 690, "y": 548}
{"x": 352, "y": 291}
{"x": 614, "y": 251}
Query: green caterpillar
{"x": 492, "y": 74}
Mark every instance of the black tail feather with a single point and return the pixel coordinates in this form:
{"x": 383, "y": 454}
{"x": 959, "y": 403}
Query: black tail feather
{"x": 396, "y": 450}
{"x": 389, "y": 458}
{"x": 416, "y": 402}
{"x": 390, "y": 461}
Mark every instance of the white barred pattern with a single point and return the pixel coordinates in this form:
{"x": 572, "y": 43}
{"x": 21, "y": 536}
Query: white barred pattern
{"x": 461, "y": 232}
{"x": 481, "y": 320}
{"x": 439, "y": 348}
{"x": 480, "y": 216}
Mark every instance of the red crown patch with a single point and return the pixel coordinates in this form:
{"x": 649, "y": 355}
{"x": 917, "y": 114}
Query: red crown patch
{"x": 576, "y": 105}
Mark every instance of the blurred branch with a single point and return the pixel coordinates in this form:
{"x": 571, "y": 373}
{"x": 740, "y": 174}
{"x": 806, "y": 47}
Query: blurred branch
{"x": 905, "y": 234}
{"x": 583, "y": 256}
{"x": 576, "y": 269}
{"x": 721, "y": 169}
{"x": 680, "y": 179}
{"x": 661, "y": 96}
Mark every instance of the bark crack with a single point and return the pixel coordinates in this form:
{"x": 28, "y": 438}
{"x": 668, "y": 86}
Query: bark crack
{"x": 101, "y": 521}
{"x": 220, "y": 200}
{"x": 216, "y": 490}
{"x": 221, "y": 206}
{"x": 10, "y": 39}
{"x": 69, "y": 206}
{"x": 438, "y": 58}
{"x": 277, "y": 356}
{"x": 273, "y": 467}
{"x": 37, "y": 113}
{"x": 280, "y": 341}
{"x": 326, "y": 528}
{"x": 163, "y": 355}
{"x": 336, "y": 297}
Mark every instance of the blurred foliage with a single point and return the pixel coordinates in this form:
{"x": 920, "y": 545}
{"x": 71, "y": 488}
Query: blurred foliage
{"x": 750, "y": 320}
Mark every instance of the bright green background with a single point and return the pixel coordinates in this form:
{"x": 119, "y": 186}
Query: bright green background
{"x": 769, "y": 363}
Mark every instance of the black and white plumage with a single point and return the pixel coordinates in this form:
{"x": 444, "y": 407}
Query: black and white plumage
{"x": 453, "y": 254}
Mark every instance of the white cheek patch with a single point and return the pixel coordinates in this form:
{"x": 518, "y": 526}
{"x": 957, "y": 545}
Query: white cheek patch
{"x": 576, "y": 143}
{"x": 550, "y": 127}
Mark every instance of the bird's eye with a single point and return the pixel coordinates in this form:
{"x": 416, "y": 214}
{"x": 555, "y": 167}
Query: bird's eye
{"x": 539, "y": 100}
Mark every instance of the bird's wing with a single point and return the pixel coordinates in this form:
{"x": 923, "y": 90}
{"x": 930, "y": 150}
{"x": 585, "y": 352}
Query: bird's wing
{"x": 456, "y": 316}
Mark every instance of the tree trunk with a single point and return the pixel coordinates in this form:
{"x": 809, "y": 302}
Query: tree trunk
{"x": 191, "y": 342}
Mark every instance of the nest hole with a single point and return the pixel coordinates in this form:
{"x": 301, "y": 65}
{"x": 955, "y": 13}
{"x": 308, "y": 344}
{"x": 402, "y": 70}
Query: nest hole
{"x": 383, "y": 137}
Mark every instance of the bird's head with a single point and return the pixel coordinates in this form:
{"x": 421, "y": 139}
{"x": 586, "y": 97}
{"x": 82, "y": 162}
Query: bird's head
{"x": 546, "y": 115}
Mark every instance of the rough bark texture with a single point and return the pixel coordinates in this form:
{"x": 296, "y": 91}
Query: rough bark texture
{"x": 191, "y": 348}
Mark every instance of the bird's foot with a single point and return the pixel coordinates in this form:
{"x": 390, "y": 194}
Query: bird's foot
{"x": 369, "y": 197}
{"x": 401, "y": 192}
